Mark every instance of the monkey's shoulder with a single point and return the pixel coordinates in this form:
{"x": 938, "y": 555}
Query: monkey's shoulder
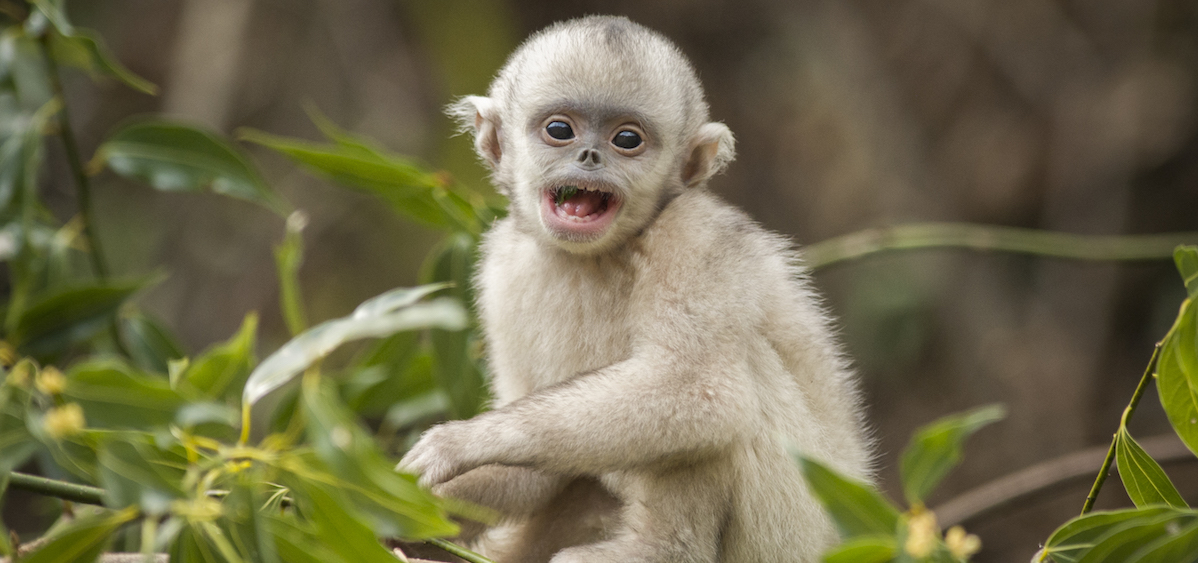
{"x": 700, "y": 238}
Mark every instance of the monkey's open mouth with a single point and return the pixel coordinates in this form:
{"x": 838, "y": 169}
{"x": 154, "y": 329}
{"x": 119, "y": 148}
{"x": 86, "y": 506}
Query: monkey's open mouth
{"x": 580, "y": 209}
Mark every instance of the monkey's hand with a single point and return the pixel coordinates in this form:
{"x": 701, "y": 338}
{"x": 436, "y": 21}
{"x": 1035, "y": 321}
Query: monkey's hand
{"x": 441, "y": 453}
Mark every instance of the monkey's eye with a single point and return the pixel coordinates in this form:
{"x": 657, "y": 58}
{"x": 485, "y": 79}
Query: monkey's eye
{"x": 627, "y": 140}
{"x": 560, "y": 130}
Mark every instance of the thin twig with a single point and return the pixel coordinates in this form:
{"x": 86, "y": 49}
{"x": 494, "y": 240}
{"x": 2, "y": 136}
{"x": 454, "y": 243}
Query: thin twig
{"x": 458, "y": 550}
{"x": 55, "y": 488}
{"x": 1131, "y": 409}
{"x": 1036, "y": 484}
{"x": 82, "y": 184}
{"x": 916, "y": 236}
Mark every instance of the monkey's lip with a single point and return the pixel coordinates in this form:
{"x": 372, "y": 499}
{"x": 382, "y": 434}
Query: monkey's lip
{"x": 579, "y": 210}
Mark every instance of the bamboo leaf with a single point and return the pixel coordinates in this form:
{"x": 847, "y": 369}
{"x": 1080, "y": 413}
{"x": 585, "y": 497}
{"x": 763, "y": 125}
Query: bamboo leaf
{"x": 384, "y": 315}
{"x": 83, "y": 48}
{"x": 83, "y": 540}
{"x": 1186, "y": 258}
{"x": 151, "y": 346}
{"x": 221, "y": 371}
{"x": 343, "y": 531}
{"x": 1119, "y": 543}
{"x": 936, "y": 448}
{"x": 865, "y": 549}
{"x": 114, "y": 395}
{"x": 356, "y": 163}
{"x": 134, "y": 473}
{"x": 173, "y": 157}
{"x": 69, "y": 316}
{"x": 1076, "y": 537}
{"x": 1182, "y": 546}
{"x": 398, "y": 506}
{"x": 458, "y": 369}
{"x": 288, "y": 257}
{"x": 1142, "y": 476}
{"x": 1177, "y": 375}
{"x": 857, "y": 509}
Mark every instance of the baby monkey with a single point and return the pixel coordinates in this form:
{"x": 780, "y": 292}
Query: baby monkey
{"x": 655, "y": 355}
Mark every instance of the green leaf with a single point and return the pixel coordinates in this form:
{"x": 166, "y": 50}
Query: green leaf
{"x": 221, "y": 371}
{"x": 394, "y": 369}
{"x": 1145, "y": 481}
{"x": 936, "y": 448}
{"x": 134, "y": 473}
{"x": 865, "y": 549}
{"x": 69, "y": 316}
{"x": 299, "y": 544}
{"x": 171, "y": 156}
{"x": 384, "y": 315}
{"x": 191, "y": 546}
{"x": 397, "y": 505}
{"x": 16, "y": 443}
{"x": 342, "y": 530}
{"x": 1177, "y": 375}
{"x": 55, "y": 12}
{"x": 857, "y": 509}
{"x": 458, "y": 368}
{"x": 84, "y": 49}
{"x": 1186, "y": 258}
{"x": 1119, "y": 543}
{"x": 82, "y": 541}
{"x": 113, "y": 395}
{"x": 1073, "y": 539}
{"x": 5, "y": 543}
{"x": 288, "y": 257}
{"x": 151, "y": 346}
{"x": 1182, "y": 546}
{"x": 248, "y": 529}
{"x": 351, "y": 162}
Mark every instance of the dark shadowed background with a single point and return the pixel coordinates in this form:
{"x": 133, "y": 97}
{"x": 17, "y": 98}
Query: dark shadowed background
{"x": 1073, "y": 115}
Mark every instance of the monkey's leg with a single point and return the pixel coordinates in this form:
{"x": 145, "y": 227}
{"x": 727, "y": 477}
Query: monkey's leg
{"x": 583, "y": 512}
{"x": 670, "y": 516}
{"x": 510, "y": 490}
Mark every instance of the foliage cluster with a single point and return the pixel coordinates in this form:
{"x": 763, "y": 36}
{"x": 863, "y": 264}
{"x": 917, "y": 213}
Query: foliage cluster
{"x": 1161, "y": 529}
{"x": 98, "y": 392}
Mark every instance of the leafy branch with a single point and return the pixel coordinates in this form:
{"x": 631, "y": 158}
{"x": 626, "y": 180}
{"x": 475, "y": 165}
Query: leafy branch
{"x": 922, "y": 236}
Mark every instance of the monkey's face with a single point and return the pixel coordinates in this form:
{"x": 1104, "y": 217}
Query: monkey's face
{"x": 587, "y": 173}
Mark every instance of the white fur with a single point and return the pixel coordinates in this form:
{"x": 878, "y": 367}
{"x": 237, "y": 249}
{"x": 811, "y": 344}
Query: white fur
{"x": 651, "y": 384}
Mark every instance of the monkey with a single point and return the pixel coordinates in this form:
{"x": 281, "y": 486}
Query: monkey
{"x": 656, "y": 356}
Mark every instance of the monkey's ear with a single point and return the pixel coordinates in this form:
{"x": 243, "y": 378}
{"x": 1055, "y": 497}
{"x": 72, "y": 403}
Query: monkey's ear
{"x": 478, "y": 115}
{"x": 710, "y": 150}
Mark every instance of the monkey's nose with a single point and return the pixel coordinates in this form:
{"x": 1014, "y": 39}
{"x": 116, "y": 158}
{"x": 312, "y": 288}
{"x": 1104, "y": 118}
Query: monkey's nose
{"x": 589, "y": 159}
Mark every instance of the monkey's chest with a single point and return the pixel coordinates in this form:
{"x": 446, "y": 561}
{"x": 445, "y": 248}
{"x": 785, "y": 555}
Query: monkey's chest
{"x": 546, "y": 326}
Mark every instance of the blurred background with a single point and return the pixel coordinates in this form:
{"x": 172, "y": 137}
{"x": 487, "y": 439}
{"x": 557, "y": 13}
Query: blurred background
{"x": 1072, "y": 115}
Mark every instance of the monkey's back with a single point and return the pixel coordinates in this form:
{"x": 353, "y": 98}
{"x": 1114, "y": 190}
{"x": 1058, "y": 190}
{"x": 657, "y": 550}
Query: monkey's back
{"x": 702, "y": 274}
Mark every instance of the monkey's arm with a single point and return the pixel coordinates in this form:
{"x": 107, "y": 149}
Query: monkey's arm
{"x": 649, "y": 408}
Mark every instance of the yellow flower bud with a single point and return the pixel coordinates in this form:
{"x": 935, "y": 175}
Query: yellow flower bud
{"x": 20, "y": 375}
{"x": 960, "y": 544}
{"x": 921, "y": 534}
{"x": 51, "y": 381}
{"x": 8, "y": 354}
{"x": 64, "y": 421}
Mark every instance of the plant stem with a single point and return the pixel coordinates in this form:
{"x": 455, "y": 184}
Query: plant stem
{"x": 1127, "y": 413}
{"x": 458, "y": 550}
{"x": 60, "y": 489}
{"x": 915, "y": 236}
{"x": 82, "y": 184}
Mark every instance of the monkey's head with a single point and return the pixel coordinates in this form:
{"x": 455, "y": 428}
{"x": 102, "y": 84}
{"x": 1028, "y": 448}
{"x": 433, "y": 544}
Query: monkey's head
{"x": 591, "y": 126}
